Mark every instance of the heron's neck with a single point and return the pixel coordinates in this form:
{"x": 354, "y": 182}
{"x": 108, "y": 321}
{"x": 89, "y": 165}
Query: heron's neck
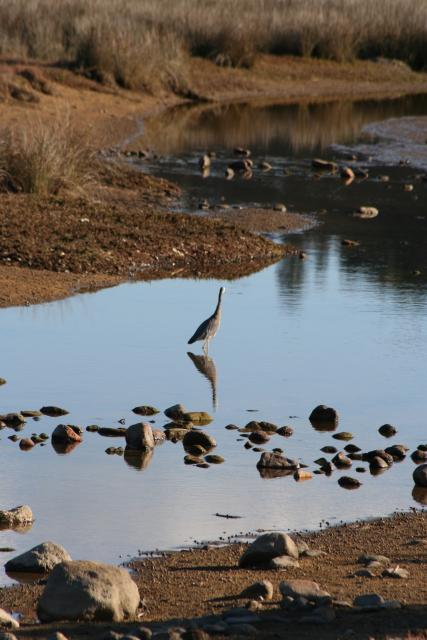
{"x": 218, "y": 306}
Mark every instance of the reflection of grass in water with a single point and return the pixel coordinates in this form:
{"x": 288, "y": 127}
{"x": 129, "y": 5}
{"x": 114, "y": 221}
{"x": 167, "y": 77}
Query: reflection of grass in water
{"x": 304, "y": 126}
{"x": 141, "y": 41}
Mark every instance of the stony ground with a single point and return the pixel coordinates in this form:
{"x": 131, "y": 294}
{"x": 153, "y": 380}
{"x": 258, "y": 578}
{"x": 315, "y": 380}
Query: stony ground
{"x": 122, "y": 229}
{"x": 179, "y": 588}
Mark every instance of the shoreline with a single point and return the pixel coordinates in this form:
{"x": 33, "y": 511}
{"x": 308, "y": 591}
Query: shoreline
{"x": 114, "y": 117}
{"x": 198, "y": 586}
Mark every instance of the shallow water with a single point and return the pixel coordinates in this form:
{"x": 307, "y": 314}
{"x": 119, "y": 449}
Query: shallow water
{"x": 346, "y": 327}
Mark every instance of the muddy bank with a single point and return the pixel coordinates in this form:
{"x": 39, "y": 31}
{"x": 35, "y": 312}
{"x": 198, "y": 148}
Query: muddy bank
{"x": 182, "y": 586}
{"x": 259, "y": 219}
{"x": 123, "y": 231}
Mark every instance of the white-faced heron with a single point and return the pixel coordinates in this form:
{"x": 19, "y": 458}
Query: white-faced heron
{"x": 209, "y": 327}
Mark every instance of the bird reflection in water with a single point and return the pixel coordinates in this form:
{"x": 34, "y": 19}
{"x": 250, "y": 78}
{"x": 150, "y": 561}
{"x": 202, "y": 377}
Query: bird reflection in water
{"x": 206, "y": 366}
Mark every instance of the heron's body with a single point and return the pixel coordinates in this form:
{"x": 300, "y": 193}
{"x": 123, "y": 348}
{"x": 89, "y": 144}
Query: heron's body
{"x": 209, "y": 327}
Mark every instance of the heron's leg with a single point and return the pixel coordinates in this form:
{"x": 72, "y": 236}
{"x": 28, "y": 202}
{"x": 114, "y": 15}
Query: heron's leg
{"x": 205, "y": 346}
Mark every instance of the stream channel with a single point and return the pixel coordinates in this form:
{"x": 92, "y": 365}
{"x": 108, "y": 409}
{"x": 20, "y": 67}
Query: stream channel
{"x": 346, "y": 327}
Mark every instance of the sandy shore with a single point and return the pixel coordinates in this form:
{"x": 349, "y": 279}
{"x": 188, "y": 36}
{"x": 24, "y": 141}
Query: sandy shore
{"x": 182, "y": 587}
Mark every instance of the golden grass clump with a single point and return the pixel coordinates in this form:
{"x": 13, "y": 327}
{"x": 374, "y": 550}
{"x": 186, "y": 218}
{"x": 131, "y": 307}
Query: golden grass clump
{"x": 146, "y": 43}
{"x": 45, "y": 159}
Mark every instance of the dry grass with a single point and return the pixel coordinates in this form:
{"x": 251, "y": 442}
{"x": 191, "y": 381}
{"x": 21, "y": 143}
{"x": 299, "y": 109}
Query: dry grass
{"x": 146, "y": 43}
{"x": 44, "y": 160}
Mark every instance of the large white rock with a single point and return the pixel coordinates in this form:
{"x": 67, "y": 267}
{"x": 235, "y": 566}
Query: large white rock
{"x": 40, "y": 559}
{"x": 16, "y": 517}
{"x": 84, "y": 590}
{"x": 267, "y": 547}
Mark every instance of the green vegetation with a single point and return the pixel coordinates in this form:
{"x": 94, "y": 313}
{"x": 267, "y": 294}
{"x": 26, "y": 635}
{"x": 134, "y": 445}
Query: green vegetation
{"x": 147, "y": 43}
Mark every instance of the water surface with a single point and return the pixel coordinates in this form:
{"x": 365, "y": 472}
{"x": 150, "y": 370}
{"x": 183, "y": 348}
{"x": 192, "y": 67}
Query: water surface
{"x": 346, "y": 327}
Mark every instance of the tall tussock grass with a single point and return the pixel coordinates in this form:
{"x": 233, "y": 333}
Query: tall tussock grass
{"x": 147, "y": 43}
{"x": 45, "y": 159}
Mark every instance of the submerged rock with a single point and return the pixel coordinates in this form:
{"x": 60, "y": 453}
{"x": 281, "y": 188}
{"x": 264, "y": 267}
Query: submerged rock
{"x": 285, "y": 431}
{"x": 13, "y": 419}
{"x": 16, "y": 517}
{"x": 145, "y": 410}
{"x": 40, "y": 559}
{"x": 53, "y": 412}
{"x": 83, "y": 590}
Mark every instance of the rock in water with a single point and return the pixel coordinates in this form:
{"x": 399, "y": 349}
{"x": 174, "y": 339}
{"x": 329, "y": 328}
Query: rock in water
{"x": 145, "y": 410}
{"x": 139, "y": 437}
{"x": 40, "y": 559}
{"x": 53, "y": 412}
{"x": 267, "y": 547}
{"x": 175, "y": 412}
{"x": 193, "y": 438}
{"x": 271, "y": 460}
{"x": 420, "y": 475}
{"x": 16, "y": 517}
{"x": 84, "y": 590}
{"x": 323, "y": 417}
{"x": 65, "y": 434}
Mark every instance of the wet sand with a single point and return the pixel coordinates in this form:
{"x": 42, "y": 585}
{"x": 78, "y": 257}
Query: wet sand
{"x": 182, "y": 586}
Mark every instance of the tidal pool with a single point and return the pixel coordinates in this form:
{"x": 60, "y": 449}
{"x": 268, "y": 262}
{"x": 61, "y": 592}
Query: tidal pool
{"x": 346, "y": 327}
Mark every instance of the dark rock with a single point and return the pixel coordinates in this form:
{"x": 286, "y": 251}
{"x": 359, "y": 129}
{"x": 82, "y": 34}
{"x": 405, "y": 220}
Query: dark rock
{"x": 324, "y": 418}
{"x": 65, "y": 434}
{"x": 26, "y": 443}
{"x": 176, "y": 412}
{"x": 349, "y": 483}
{"x": 420, "y": 476}
{"x": 340, "y": 460}
{"x": 343, "y": 435}
{"x": 53, "y": 412}
{"x": 259, "y": 437}
{"x": 397, "y": 451}
{"x": 387, "y": 430}
{"x": 286, "y": 432}
{"x": 13, "y": 419}
{"x": 419, "y": 456}
{"x": 214, "y": 459}
{"x": 199, "y": 438}
{"x": 329, "y": 449}
{"x": 112, "y": 432}
{"x": 272, "y": 460}
{"x": 352, "y": 448}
